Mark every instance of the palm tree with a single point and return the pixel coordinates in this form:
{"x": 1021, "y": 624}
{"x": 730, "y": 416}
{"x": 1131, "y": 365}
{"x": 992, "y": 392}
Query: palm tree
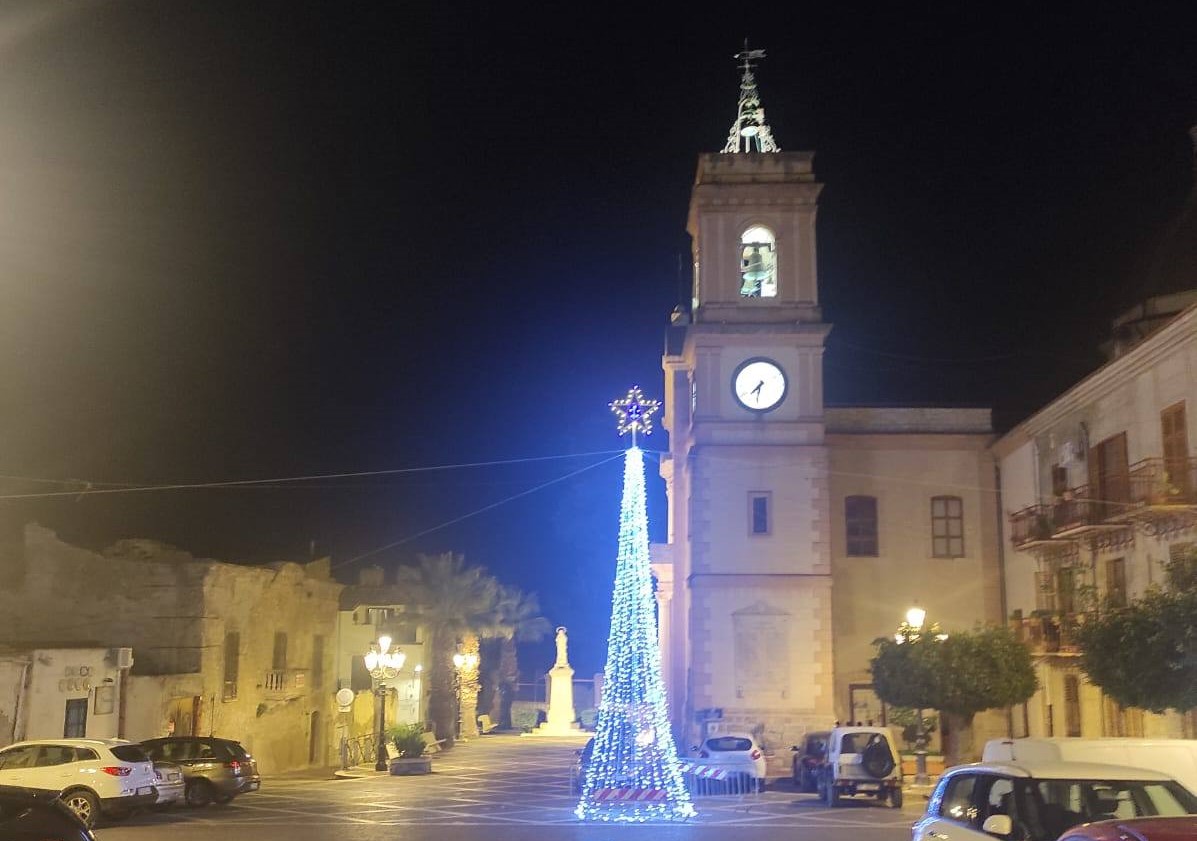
{"x": 519, "y": 621}
{"x": 455, "y": 600}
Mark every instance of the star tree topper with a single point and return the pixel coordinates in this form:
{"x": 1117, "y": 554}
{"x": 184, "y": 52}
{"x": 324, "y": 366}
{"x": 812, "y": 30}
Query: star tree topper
{"x": 635, "y": 413}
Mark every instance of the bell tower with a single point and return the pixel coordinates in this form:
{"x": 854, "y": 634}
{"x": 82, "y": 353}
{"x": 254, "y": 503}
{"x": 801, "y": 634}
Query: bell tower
{"x": 748, "y": 625}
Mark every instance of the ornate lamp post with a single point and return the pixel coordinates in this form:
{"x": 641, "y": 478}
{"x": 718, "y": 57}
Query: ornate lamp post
{"x": 384, "y": 664}
{"x": 461, "y": 662}
{"x": 911, "y": 630}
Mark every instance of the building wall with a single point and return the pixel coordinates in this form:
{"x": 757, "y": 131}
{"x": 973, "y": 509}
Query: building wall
{"x": 407, "y": 701}
{"x": 174, "y": 611}
{"x": 1125, "y": 396}
{"x": 40, "y": 682}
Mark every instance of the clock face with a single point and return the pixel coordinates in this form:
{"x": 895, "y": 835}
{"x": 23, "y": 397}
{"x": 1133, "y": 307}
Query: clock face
{"x": 759, "y": 385}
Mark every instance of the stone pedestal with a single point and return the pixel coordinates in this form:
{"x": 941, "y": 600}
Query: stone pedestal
{"x": 561, "y": 719}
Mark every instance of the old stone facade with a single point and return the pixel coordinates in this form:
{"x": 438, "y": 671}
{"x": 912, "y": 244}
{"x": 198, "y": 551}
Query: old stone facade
{"x": 51, "y": 692}
{"x": 1098, "y": 489}
{"x": 243, "y": 652}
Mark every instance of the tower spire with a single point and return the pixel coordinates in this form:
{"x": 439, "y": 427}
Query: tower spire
{"x": 750, "y": 132}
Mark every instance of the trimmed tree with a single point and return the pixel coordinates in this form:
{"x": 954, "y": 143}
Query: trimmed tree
{"x": 1145, "y": 654}
{"x": 959, "y": 676}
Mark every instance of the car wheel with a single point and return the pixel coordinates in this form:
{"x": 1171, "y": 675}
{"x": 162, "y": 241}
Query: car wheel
{"x": 84, "y": 804}
{"x": 222, "y": 799}
{"x": 895, "y": 798}
{"x": 199, "y": 793}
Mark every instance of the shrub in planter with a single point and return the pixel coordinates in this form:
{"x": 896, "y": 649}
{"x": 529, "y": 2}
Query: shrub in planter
{"x": 408, "y": 740}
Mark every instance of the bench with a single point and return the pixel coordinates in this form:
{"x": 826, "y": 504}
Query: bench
{"x": 431, "y": 743}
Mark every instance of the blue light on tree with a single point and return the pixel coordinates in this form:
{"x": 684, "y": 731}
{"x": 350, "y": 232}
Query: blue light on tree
{"x": 634, "y": 773}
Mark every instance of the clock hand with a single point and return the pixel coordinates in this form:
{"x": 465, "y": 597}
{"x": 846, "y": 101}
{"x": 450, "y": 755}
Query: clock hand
{"x": 757, "y": 390}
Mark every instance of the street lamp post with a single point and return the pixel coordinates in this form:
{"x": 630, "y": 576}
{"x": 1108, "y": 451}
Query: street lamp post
{"x": 461, "y": 662}
{"x": 910, "y": 631}
{"x": 383, "y": 663}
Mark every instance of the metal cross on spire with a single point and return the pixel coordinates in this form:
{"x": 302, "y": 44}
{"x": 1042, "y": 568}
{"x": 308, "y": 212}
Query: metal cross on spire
{"x": 750, "y": 132}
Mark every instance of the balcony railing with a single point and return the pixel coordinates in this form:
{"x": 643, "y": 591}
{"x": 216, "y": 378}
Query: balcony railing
{"x": 285, "y": 683}
{"x": 1156, "y": 482}
{"x": 1031, "y": 525}
{"x": 1054, "y": 634}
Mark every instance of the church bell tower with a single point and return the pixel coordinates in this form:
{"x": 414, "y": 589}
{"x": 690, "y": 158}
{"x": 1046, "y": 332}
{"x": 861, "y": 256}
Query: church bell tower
{"x": 746, "y": 577}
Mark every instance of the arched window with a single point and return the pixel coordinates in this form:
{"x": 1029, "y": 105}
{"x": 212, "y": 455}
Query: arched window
{"x": 860, "y": 526}
{"x": 758, "y": 263}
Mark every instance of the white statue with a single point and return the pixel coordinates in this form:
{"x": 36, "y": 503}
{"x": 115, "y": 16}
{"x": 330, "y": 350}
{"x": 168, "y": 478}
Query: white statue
{"x": 562, "y": 642}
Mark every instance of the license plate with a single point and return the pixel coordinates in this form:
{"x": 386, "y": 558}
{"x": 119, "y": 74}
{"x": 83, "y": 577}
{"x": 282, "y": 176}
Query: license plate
{"x": 174, "y": 778}
{"x": 145, "y": 789}
{"x": 254, "y": 786}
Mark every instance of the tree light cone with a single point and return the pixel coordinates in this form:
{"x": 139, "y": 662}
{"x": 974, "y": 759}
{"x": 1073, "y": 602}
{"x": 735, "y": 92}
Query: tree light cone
{"x": 634, "y": 774}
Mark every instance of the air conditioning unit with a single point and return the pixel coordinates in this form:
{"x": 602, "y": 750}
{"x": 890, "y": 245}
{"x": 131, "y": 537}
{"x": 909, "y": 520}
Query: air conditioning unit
{"x": 122, "y": 658}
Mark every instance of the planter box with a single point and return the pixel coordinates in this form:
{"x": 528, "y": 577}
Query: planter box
{"x": 408, "y": 767}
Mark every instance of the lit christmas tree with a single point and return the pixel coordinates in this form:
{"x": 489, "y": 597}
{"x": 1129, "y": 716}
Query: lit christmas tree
{"x": 634, "y": 773}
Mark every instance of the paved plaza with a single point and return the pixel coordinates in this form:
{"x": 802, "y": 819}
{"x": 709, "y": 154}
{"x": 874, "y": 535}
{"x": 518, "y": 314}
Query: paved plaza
{"x": 497, "y": 788}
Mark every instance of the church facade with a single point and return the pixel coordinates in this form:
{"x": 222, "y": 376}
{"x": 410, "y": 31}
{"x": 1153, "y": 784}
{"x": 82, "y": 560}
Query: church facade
{"x": 797, "y": 533}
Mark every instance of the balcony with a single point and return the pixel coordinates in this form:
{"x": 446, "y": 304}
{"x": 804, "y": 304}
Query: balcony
{"x": 1032, "y": 528}
{"x": 1162, "y": 496}
{"x": 1048, "y": 634}
{"x": 284, "y": 683}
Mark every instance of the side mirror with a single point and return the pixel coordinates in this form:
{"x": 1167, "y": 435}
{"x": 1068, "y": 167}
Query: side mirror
{"x": 998, "y": 825}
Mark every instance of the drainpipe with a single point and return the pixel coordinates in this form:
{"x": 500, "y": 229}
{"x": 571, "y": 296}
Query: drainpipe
{"x": 1001, "y": 554}
{"x": 122, "y": 704}
{"x": 18, "y": 732}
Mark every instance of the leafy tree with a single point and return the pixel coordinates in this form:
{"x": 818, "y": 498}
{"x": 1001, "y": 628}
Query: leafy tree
{"x": 959, "y": 676}
{"x": 519, "y": 621}
{"x": 455, "y": 599}
{"x": 1145, "y": 655}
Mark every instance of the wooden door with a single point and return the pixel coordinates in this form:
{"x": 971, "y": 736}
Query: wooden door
{"x": 1175, "y": 438}
{"x": 1109, "y": 475}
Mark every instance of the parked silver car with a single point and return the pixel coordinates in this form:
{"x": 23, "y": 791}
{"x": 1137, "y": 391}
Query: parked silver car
{"x": 214, "y": 770}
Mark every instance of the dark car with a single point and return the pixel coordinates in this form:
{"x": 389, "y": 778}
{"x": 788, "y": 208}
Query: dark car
{"x": 214, "y": 770}
{"x": 807, "y": 757}
{"x": 577, "y": 772}
{"x": 35, "y": 815}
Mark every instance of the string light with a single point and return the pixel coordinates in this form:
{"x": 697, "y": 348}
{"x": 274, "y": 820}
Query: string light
{"x": 634, "y": 773}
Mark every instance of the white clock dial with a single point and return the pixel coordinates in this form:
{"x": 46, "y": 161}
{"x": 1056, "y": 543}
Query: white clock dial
{"x": 759, "y": 385}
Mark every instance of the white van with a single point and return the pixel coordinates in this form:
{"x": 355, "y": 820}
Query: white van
{"x": 1175, "y": 757}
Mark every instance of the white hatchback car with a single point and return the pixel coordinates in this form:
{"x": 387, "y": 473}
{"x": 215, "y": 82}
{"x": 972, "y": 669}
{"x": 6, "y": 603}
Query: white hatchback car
{"x": 739, "y": 753}
{"x": 1029, "y": 801}
{"x": 110, "y": 777}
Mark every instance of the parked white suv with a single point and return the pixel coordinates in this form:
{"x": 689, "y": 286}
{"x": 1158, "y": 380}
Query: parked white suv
{"x": 1037, "y": 801}
{"x": 109, "y": 777}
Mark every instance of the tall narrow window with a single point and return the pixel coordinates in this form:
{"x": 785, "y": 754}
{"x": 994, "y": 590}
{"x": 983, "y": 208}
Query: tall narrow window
{"x": 947, "y": 527}
{"x": 1059, "y": 480}
{"x": 758, "y": 263}
{"x": 1072, "y": 706}
{"x": 1109, "y": 476}
{"x": 1116, "y": 582}
{"x": 1175, "y": 438}
{"x": 860, "y": 526}
{"x": 317, "y": 661}
{"x": 232, "y": 664}
{"x": 758, "y": 513}
{"x": 279, "y": 661}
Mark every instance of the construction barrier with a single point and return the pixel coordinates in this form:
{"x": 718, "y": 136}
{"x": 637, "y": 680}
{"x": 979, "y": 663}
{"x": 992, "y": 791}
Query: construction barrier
{"x": 705, "y": 779}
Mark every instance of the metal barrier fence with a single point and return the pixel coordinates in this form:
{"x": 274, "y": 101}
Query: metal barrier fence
{"x": 360, "y": 750}
{"x": 703, "y": 780}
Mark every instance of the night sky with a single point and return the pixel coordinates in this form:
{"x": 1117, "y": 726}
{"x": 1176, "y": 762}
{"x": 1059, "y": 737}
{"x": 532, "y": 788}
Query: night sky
{"x": 268, "y": 240}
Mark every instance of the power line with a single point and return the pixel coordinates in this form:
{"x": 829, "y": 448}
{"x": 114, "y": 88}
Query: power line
{"x": 474, "y": 513}
{"x": 94, "y": 489}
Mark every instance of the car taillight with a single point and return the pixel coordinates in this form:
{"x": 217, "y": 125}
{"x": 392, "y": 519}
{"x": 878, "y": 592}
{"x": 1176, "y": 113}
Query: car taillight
{"x": 234, "y": 766}
{"x": 756, "y": 754}
{"x": 117, "y": 770}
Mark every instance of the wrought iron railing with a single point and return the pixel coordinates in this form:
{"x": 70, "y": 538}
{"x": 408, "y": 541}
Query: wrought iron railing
{"x": 1048, "y": 634}
{"x": 1031, "y": 524}
{"x": 1156, "y": 481}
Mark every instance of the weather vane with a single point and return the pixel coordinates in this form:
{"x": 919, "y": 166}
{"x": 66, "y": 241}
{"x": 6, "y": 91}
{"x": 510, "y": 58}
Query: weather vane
{"x": 635, "y": 413}
{"x": 750, "y": 132}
